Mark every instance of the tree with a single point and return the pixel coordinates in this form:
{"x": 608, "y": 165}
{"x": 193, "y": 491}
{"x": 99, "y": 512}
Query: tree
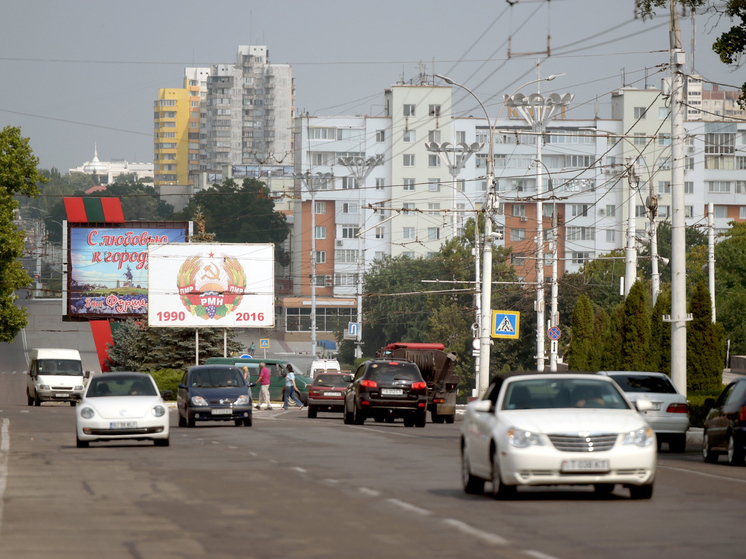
{"x": 635, "y": 330}
{"x": 18, "y": 177}
{"x": 583, "y": 336}
{"x": 730, "y": 45}
{"x": 660, "y": 334}
{"x": 730, "y": 286}
{"x": 704, "y": 364}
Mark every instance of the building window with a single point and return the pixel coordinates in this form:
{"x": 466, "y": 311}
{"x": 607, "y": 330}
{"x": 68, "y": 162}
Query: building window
{"x": 433, "y": 233}
{"x": 409, "y": 110}
{"x": 433, "y": 110}
{"x": 517, "y": 234}
{"x": 320, "y": 232}
{"x": 741, "y": 162}
{"x": 319, "y": 208}
{"x": 610, "y": 236}
{"x": 320, "y": 257}
{"x": 577, "y": 210}
{"x": 640, "y": 112}
{"x": 740, "y": 187}
{"x": 664, "y": 139}
{"x": 639, "y": 139}
{"x": 349, "y": 208}
{"x": 580, "y": 233}
{"x": 720, "y": 144}
{"x": 345, "y": 256}
{"x": 380, "y": 135}
{"x": 349, "y": 183}
{"x": 640, "y": 211}
{"x": 718, "y": 186}
{"x": 433, "y": 206}
{"x": 662, "y": 113}
{"x": 581, "y": 257}
{"x": 433, "y": 136}
{"x": 664, "y": 211}
{"x": 409, "y": 185}
{"x": 688, "y": 211}
{"x": 742, "y": 212}
{"x": 408, "y": 206}
{"x": 610, "y": 210}
{"x": 461, "y": 185}
{"x": 408, "y": 233}
{"x": 721, "y": 211}
{"x": 518, "y": 210}
{"x": 380, "y": 183}
{"x": 433, "y": 160}
{"x": 322, "y": 133}
{"x": 379, "y": 232}
{"x": 664, "y": 187}
{"x": 664, "y": 163}
{"x": 518, "y": 259}
{"x": 349, "y": 232}
{"x": 408, "y": 160}
{"x": 688, "y": 187}
{"x": 460, "y": 137}
{"x": 688, "y": 163}
{"x": 433, "y": 185}
{"x": 410, "y": 137}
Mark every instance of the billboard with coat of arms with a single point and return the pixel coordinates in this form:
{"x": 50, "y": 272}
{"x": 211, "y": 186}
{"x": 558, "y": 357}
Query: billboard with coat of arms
{"x": 211, "y": 285}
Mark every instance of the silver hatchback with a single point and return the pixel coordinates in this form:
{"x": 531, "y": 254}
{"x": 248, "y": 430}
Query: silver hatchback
{"x": 669, "y": 416}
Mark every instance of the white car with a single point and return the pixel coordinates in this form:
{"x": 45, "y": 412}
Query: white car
{"x": 556, "y": 429}
{"x": 119, "y": 406}
{"x": 669, "y": 411}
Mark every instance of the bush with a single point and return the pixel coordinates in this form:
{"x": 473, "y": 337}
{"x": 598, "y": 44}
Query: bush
{"x": 697, "y": 409}
{"x": 168, "y": 379}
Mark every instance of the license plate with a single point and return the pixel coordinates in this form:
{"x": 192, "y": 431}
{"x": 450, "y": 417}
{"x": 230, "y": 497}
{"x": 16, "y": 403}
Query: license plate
{"x": 333, "y": 394}
{"x": 222, "y": 411}
{"x": 123, "y": 425}
{"x": 61, "y": 395}
{"x": 585, "y": 465}
{"x": 391, "y": 391}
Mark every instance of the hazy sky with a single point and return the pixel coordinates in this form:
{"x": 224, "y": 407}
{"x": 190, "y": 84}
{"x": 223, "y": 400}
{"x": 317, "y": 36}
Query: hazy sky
{"x": 79, "y": 72}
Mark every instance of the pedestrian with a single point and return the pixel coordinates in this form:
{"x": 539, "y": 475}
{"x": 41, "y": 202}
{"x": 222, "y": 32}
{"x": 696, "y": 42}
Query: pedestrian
{"x": 263, "y": 386}
{"x": 291, "y": 389}
{"x": 251, "y": 349}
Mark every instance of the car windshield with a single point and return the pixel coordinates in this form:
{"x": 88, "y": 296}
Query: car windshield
{"x": 66, "y": 367}
{"x": 644, "y": 383}
{"x": 337, "y": 381}
{"x": 213, "y": 378}
{"x": 118, "y": 385}
{"x": 554, "y": 393}
{"x": 389, "y": 372}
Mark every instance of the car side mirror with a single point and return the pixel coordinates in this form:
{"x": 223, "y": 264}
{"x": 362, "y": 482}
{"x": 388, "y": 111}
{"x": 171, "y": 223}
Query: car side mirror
{"x": 483, "y": 406}
{"x": 182, "y": 385}
{"x": 348, "y": 378}
{"x": 87, "y": 374}
{"x": 167, "y": 394}
{"x": 643, "y": 405}
{"x": 709, "y": 403}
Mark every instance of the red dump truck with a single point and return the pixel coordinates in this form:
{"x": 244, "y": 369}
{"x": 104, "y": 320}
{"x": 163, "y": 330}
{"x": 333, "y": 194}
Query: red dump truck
{"x": 436, "y": 367}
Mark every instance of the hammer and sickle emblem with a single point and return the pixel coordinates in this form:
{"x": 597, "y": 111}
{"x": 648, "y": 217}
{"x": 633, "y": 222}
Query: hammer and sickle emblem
{"x": 211, "y": 272}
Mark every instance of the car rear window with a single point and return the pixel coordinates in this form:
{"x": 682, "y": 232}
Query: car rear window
{"x": 108, "y": 385}
{"x": 644, "y": 383}
{"x": 213, "y": 378}
{"x": 337, "y": 381}
{"x": 387, "y": 372}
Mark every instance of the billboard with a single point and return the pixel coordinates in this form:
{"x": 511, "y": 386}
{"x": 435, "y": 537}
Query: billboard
{"x": 211, "y": 285}
{"x": 108, "y": 267}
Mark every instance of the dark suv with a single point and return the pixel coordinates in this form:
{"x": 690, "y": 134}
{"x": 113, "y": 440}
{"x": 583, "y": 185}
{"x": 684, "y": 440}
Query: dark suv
{"x": 385, "y": 389}
{"x": 213, "y": 393}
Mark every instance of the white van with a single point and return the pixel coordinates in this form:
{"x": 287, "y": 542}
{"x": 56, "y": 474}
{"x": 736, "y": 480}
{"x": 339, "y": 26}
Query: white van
{"x": 55, "y": 375}
{"x": 323, "y": 366}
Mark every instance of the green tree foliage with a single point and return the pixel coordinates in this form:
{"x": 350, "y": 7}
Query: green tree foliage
{"x": 242, "y": 213}
{"x": 140, "y": 200}
{"x": 137, "y": 347}
{"x": 696, "y": 254}
{"x": 730, "y": 45}
{"x": 730, "y": 285}
{"x": 598, "y": 280}
{"x": 704, "y": 363}
{"x": 660, "y": 334}
{"x": 635, "y": 330}
{"x": 583, "y": 336}
{"x": 18, "y": 177}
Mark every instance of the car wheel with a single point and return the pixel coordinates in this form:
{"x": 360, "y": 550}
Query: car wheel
{"x": 37, "y": 401}
{"x": 29, "y": 399}
{"x": 603, "y": 489}
{"x": 409, "y": 422}
{"x": 161, "y": 442}
{"x": 358, "y": 416}
{"x": 72, "y": 403}
{"x": 421, "y": 420}
{"x": 708, "y": 454}
{"x": 81, "y": 444}
{"x": 182, "y": 419}
{"x": 190, "y": 422}
{"x": 499, "y": 489}
{"x": 677, "y": 443}
{"x": 348, "y": 417}
{"x": 450, "y": 418}
{"x": 378, "y": 419}
{"x": 641, "y": 491}
{"x": 238, "y": 422}
{"x": 735, "y": 453}
{"x": 312, "y": 412}
{"x": 390, "y": 419}
{"x": 472, "y": 484}
{"x": 436, "y": 417}
{"x": 247, "y": 421}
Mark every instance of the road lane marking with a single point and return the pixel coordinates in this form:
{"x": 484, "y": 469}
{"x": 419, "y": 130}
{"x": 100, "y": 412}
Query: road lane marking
{"x": 701, "y": 474}
{"x": 299, "y": 469}
{"x": 369, "y": 492}
{"x": 538, "y": 554}
{"x": 380, "y": 431}
{"x": 486, "y": 537}
{"x": 4, "y": 451}
{"x": 410, "y": 508}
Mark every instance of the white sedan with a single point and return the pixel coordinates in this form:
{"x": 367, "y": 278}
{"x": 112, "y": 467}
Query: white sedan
{"x": 556, "y": 429}
{"x": 119, "y": 406}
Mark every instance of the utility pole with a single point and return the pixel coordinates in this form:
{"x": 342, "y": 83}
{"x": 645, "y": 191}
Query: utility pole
{"x": 553, "y": 318}
{"x": 630, "y": 260}
{"x": 678, "y": 317}
{"x": 711, "y": 255}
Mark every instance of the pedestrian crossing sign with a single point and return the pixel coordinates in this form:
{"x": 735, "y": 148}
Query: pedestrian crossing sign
{"x": 506, "y": 324}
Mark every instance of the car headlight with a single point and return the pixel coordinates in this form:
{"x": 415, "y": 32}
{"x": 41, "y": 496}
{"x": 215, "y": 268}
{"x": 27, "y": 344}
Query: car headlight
{"x": 87, "y": 413}
{"x": 79, "y": 387}
{"x": 641, "y": 437}
{"x": 521, "y": 438}
{"x": 158, "y": 411}
{"x": 242, "y": 400}
{"x": 198, "y": 401}
{"x": 43, "y": 387}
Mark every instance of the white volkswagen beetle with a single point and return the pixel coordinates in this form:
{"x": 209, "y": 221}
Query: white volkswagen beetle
{"x": 556, "y": 429}
{"x": 119, "y": 406}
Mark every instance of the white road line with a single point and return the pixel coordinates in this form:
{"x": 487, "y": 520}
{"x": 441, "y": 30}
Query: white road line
{"x": 486, "y": 537}
{"x": 701, "y": 474}
{"x": 4, "y": 451}
{"x": 299, "y": 469}
{"x": 410, "y": 508}
{"x": 369, "y": 492}
{"x": 325, "y": 481}
{"x": 538, "y": 554}
{"x": 232, "y": 447}
{"x": 381, "y": 431}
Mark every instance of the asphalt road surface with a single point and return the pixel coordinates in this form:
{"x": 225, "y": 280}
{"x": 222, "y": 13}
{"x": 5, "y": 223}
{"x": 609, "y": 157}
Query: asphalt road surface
{"x": 295, "y": 487}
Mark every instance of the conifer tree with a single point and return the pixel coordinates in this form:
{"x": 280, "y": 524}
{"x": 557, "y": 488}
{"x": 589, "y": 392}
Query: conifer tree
{"x": 581, "y": 343}
{"x": 660, "y": 335}
{"x": 635, "y": 330}
{"x": 704, "y": 366}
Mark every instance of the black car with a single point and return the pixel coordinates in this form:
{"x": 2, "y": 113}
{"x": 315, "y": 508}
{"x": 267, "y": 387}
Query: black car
{"x": 213, "y": 393}
{"x": 725, "y": 426}
{"x": 385, "y": 389}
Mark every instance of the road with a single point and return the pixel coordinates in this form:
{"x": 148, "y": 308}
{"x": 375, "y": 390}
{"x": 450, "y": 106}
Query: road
{"x": 294, "y": 487}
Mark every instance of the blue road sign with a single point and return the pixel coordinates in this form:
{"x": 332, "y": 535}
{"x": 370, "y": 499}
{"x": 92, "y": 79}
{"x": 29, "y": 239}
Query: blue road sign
{"x": 264, "y": 343}
{"x": 506, "y": 324}
{"x": 352, "y": 328}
